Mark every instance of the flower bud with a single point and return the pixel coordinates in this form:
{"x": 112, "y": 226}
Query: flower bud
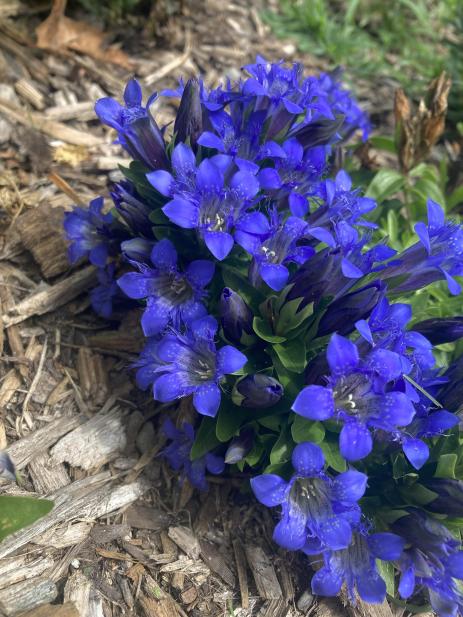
{"x": 450, "y": 496}
{"x": 137, "y": 249}
{"x": 239, "y": 447}
{"x": 133, "y": 211}
{"x": 342, "y": 314}
{"x": 257, "y": 391}
{"x": 236, "y": 317}
{"x": 188, "y": 123}
{"x": 438, "y": 331}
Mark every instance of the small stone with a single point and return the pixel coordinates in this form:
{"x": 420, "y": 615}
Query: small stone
{"x": 289, "y": 49}
{"x": 305, "y": 601}
{"x": 75, "y": 563}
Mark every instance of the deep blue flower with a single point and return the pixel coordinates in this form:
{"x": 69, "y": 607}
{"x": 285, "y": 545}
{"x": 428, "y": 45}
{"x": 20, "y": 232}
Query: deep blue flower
{"x": 317, "y": 511}
{"x": 356, "y": 566}
{"x": 172, "y": 297}
{"x": 183, "y": 364}
{"x": 357, "y": 396}
{"x": 90, "y": 233}
{"x": 274, "y": 249}
{"x": 440, "y": 330}
{"x": 449, "y": 496}
{"x": 131, "y": 209}
{"x": 433, "y": 559}
{"x": 177, "y": 453}
{"x": 235, "y": 317}
{"x": 342, "y": 101}
{"x": 137, "y": 131}
{"x": 201, "y": 199}
{"x": 239, "y": 447}
{"x": 103, "y": 295}
{"x": 437, "y": 255}
{"x": 257, "y": 391}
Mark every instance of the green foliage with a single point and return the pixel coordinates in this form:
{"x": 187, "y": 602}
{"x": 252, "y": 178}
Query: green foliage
{"x": 405, "y": 43}
{"x": 18, "y": 512}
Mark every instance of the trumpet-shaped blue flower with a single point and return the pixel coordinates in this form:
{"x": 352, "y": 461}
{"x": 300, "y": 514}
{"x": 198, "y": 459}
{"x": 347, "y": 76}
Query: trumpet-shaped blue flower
{"x": 103, "y": 295}
{"x": 131, "y": 209}
{"x": 356, "y": 566}
{"x": 433, "y": 559}
{"x": 137, "y": 131}
{"x": 358, "y": 397}
{"x": 172, "y": 297}
{"x": 189, "y": 363}
{"x": 177, "y": 454}
{"x": 317, "y": 511}
{"x": 90, "y": 233}
{"x": 274, "y": 249}
{"x": 202, "y": 200}
{"x": 437, "y": 255}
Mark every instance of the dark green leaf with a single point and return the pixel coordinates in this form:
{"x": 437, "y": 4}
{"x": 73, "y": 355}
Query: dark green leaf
{"x": 307, "y": 430}
{"x": 292, "y": 355}
{"x": 206, "y": 439}
{"x": 387, "y": 572}
{"x": 385, "y": 183}
{"x": 281, "y": 451}
{"x": 264, "y": 330}
{"x": 18, "y": 512}
{"x": 333, "y": 457}
{"x": 446, "y": 466}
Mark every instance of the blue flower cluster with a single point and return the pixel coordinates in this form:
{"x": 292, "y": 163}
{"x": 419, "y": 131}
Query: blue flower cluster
{"x": 270, "y": 300}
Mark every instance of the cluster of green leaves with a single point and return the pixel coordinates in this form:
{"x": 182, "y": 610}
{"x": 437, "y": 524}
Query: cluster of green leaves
{"x": 17, "y": 512}
{"x": 410, "y": 41}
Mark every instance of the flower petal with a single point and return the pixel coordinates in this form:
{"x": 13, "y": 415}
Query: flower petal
{"x": 245, "y": 184}
{"x": 209, "y": 140}
{"x": 269, "y": 489}
{"x": 209, "y": 178}
{"x": 371, "y": 587}
{"x": 275, "y": 275}
{"x": 219, "y": 243}
{"x": 416, "y": 451}
{"x": 355, "y": 441}
{"x": 290, "y": 533}
{"x": 155, "y": 318}
{"x": 335, "y": 533}
{"x": 326, "y": 582}
{"x": 436, "y": 216}
{"x": 200, "y": 272}
{"x": 342, "y": 355}
{"x": 298, "y": 204}
{"x": 164, "y": 254}
{"x": 269, "y": 179}
{"x": 98, "y": 255}
{"x": 162, "y": 181}
{"x": 132, "y": 93}
{"x": 206, "y": 399}
{"x": 109, "y": 111}
{"x": 230, "y": 360}
{"x": 135, "y": 285}
{"x": 349, "y": 486}
{"x": 386, "y": 546}
{"x": 167, "y": 388}
{"x": 314, "y": 403}
{"x": 407, "y": 582}
{"x": 182, "y": 212}
{"x": 183, "y": 160}
{"x": 308, "y": 459}
{"x": 214, "y": 464}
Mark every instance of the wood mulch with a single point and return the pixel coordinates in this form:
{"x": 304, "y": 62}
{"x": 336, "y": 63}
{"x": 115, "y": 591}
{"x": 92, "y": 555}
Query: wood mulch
{"x": 123, "y": 538}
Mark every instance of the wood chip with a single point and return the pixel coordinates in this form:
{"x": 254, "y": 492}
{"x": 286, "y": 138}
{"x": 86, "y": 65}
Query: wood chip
{"x": 185, "y": 539}
{"x": 27, "y": 595}
{"x": 264, "y": 573}
{"x": 64, "y": 536}
{"x": 241, "y": 564}
{"x": 94, "y": 443}
{"x": 41, "y": 123}
{"x": 47, "y": 475}
{"x": 81, "y": 592}
{"x": 53, "y": 296}
{"x": 93, "y": 377}
{"x": 216, "y": 562}
{"x": 38, "y": 231}
{"x": 145, "y": 517}
{"x": 19, "y": 568}
{"x": 23, "y": 451}
{"x": 54, "y": 610}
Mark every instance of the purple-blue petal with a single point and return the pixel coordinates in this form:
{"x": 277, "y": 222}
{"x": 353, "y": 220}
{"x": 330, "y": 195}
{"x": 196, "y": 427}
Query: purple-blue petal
{"x": 164, "y": 255}
{"x": 230, "y": 360}
{"x": 200, "y": 272}
{"x": 219, "y": 243}
{"x": 109, "y": 111}
{"x": 206, "y": 399}
{"x": 132, "y": 93}
{"x": 275, "y": 275}
{"x": 416, "y": 451}
{"x": 349, "y": 486}
{"x": 182, "y": 212}
{"x": 162, "y": 181}
{"x": 386, "y": 546}
{"x": 269, "y": 489}
{"x": 355, "y": 441}
{"x": 342, "y": 355}
{"x": 308, "y": 459}
{"x": 314, "y": 403}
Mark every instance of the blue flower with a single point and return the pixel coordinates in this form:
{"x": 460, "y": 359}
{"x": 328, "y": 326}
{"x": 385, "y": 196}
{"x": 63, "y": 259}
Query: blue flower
{"x": 90, "y": 233}
{"x": 187, "y": 364}
{"x": 172, "y": 297}
{"x": 201, "y": 199}
{"x": 356, "y": 566}
{"x": 359, "y": 395}
{"x": 137, "y": 131}
{"x": 433, "y": 559}
{"x": 316, "y": 510}
{"x": 273, "y": 249}
{"x": 437, "y": 255}
{"x": 177, "y": 454}
{"x": 235, "y": 317}
{"x": 102, "y": 295}
{"x": 131, "y": 209}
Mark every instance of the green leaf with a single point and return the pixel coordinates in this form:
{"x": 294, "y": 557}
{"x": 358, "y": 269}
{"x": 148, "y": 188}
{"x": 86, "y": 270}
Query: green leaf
{"x": 446, "y": 466}
{"x": 290, "y": 318}
{"x": 281, "y": 451}
{"x": 417, "y": 494}
{"x": 18, "y": 512}
{"x": 239, "y": 282}
{"x": 333, "y": 457}
{"x": 307, "y": 430}
{"x": 254, "y": 456}
{"x": 386, "y": 571}
{"x": 229, "y": 419}
{"x": 264, "y": 331}
{"x": 205, "y": 440}
{"x": 383, "y": 143}
{"x": 455, "y": 198}
{"x": 385, "y": 183}
{"x": 292, "y": 355}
